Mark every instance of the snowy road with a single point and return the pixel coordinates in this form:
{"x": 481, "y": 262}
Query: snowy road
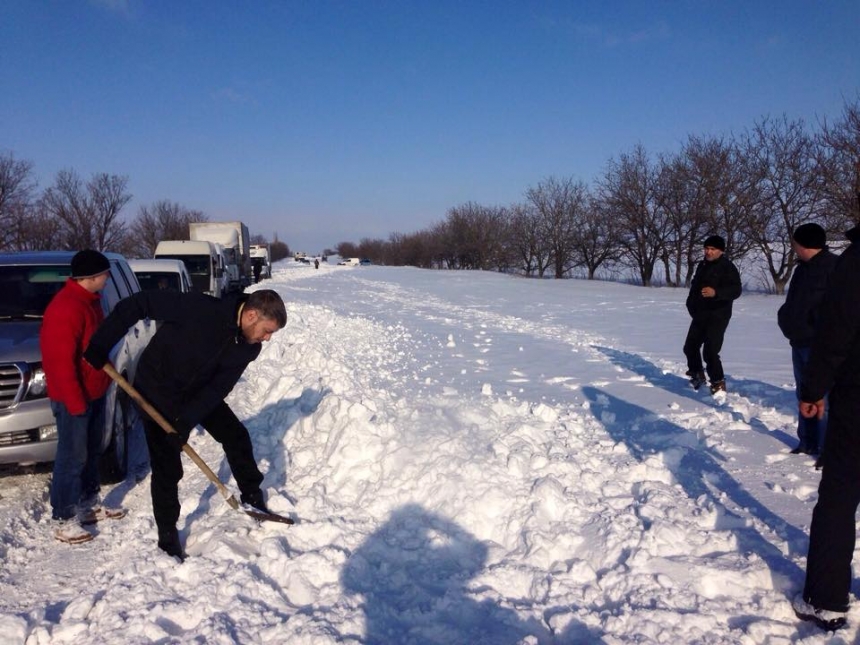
{"x": 473, "y": 458}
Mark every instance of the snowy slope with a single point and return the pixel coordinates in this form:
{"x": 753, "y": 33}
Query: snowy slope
{"x": 473, "y": 458}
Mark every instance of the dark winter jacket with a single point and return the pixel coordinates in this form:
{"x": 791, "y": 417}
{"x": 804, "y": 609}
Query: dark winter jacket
{"x": 835, "y": 357}
{"x": 798, "y": 315}
{"x": 196, "y": 356}
{"x": 723, "y": 276}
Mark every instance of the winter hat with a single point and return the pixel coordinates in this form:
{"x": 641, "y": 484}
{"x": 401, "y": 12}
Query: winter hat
{"x": 715, "y": 241}
{"x": 89, "y": 263}
{"x": 810, "y": 236}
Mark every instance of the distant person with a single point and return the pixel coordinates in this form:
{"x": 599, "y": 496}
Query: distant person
{"x": 834, "y": 367}
{"x": 258, "y": 269}
{"x": 316, "y": 263}
{"x": 192, "y": 363}
{"x": 77, "y": 393}
{"x": 716, "y": 284}
{"x": 798, "y": 317}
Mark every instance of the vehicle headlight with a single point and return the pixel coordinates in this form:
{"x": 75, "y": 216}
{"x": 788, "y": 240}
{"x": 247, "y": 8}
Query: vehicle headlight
{"x": 38, "y": 386}
{"x": 47, "y": 433}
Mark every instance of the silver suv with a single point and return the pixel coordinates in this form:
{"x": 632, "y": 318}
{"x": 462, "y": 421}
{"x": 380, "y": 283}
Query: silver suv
{"x": 28, "y": 431}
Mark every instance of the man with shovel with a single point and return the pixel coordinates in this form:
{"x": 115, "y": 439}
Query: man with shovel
{"x": 199, "y": 352}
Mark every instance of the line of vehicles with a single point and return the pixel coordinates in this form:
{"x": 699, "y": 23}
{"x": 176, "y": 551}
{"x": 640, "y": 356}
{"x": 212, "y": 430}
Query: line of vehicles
{"x": 216, "y": 260}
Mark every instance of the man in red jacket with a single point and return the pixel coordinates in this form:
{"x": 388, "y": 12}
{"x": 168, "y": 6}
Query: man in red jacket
{"x": 77, "y": 393}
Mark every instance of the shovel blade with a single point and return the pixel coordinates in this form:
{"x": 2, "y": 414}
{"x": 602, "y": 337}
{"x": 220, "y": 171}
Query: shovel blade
{"x": 260, "y": 516}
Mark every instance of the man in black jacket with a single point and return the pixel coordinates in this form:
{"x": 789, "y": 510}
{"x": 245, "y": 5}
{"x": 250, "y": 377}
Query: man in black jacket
{"x": 716, "y": 284}
{"x": 834, "y": 367}
{"x": 797, "y": 318}
{"x": 199, "y": 352}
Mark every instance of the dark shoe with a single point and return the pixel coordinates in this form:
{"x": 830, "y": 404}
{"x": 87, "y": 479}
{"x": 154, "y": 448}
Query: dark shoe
{"x": 824, "y": 618}
{"x": 257, "y": 500}
{"x": 168, "y": 541}
{"x": 697, "y": 379}
{"x": 718, "y": 386}
{"x": 805, "y": 449}
{"x": 819, "y": 464}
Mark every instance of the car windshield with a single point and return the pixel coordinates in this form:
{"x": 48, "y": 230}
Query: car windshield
{"x": 25, "y": 291}
{"x": 196, "y": 264}
{"x": 156, "y": 280}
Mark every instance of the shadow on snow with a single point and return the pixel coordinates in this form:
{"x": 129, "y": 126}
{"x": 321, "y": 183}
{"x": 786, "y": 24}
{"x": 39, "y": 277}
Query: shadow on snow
{"x": 413, "y": 576}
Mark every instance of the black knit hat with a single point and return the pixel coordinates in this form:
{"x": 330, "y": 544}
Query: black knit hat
{"x": 810, "y": 236}
{"x": 89, "y": 263}
{"x": 715, "y": 241}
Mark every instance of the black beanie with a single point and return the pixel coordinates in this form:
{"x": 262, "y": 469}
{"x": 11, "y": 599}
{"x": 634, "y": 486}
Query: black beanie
{"x": 89, "y": 263}
{"x": 810, "y": 236}
{"x": 715, "y": 241}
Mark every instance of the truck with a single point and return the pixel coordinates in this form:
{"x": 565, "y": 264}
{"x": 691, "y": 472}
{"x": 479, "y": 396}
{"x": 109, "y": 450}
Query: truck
{"x": 260, "y": 256}
{"x": 234, "y": 237}
{"x": 201, "y": 260}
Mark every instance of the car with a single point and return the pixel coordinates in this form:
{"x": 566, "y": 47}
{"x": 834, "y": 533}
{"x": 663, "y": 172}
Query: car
{"x": 365, "y": 262}
{"x": 28, "y": 430}
{"x": 161, "y": 274}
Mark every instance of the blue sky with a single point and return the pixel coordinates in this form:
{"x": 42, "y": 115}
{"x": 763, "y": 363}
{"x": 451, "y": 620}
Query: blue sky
{"x": 332, "y": 121}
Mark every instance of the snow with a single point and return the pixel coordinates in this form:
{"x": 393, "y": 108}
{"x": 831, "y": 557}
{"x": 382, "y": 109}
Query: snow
{"x": 471, "y": 458}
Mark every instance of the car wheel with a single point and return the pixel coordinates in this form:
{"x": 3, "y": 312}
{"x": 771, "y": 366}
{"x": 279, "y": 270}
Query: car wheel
{"x": 114, "y": 461}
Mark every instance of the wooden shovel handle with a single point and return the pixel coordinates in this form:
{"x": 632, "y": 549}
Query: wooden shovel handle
{"x": 160, "y": 420}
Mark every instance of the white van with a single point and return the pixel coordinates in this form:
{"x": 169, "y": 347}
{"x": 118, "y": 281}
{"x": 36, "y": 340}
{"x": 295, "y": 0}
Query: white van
{"x": 154, "y": 275}
{"x": 201, "y": 260}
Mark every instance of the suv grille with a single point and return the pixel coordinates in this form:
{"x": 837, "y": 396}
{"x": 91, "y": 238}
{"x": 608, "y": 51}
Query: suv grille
{"x": 11, "y": 385}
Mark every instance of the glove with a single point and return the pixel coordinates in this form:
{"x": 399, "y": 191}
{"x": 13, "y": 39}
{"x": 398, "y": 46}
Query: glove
{"x": 96, "y": 356}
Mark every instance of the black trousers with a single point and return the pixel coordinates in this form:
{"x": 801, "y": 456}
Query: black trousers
{"x": 166, "y": 462}
{"x": 705, "y": 336}
{"x": 833, "y": 531}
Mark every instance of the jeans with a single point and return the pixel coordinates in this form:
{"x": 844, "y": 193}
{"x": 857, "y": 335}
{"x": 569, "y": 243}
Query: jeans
{"x": 76, "y": 466}
{"x": 809, "y": 431}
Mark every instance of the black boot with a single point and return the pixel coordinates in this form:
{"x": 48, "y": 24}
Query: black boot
{"x": 697, "y": 379}
{"x": 168, "y": 541}
{"x": 257, "y": 500}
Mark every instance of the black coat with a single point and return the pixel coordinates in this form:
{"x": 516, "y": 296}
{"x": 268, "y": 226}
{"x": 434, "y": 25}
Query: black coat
{"x": 196, "y": 356}
{"x": 798, "y": 315}
{"x": 723, "y": 276}
{"x": 835, "y": 357}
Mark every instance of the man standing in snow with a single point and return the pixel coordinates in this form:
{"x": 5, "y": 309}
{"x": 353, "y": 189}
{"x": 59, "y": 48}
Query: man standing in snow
{"x": 716, "y": 284}
{"x": 77, "y": 394}
{"x": 199, "y": 352}
{"x": 834, "y": 367}
{"x": 798, "y": 316}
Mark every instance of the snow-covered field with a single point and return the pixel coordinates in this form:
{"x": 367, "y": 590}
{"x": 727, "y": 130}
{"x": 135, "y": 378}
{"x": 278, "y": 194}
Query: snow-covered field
{"x": 472, "y": 458}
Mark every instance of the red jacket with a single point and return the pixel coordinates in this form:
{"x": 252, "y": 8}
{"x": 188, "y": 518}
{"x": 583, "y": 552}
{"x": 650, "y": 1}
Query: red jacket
{"x": 71, "y": 318}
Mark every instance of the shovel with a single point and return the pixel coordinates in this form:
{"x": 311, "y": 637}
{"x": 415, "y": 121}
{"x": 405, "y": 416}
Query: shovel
{"x": 156, "y": 416}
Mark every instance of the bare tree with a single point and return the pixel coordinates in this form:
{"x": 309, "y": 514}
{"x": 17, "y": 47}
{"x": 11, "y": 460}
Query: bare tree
{"x": 17, "y": 186}
{"x": 596, "y": 240}
{"x": 559, "y": 204}
{"x": 524, "y": 239}
{"x": 163, "y": 220}
{"x": 88, "y": 214}
{"x": 628, "y": 194}
{"x": 839, "y": 165}
{"x": 781, "y": 160}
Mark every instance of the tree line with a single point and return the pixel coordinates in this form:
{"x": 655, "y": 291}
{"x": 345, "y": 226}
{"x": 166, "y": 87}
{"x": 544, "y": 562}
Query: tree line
{"x": 74, "y": 214}
{"x": 645, "y": 217}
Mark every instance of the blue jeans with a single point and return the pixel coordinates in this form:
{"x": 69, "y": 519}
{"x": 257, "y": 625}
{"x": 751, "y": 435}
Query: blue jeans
{"x": 76, "y": 466}
{"x": 809, "y": 431}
